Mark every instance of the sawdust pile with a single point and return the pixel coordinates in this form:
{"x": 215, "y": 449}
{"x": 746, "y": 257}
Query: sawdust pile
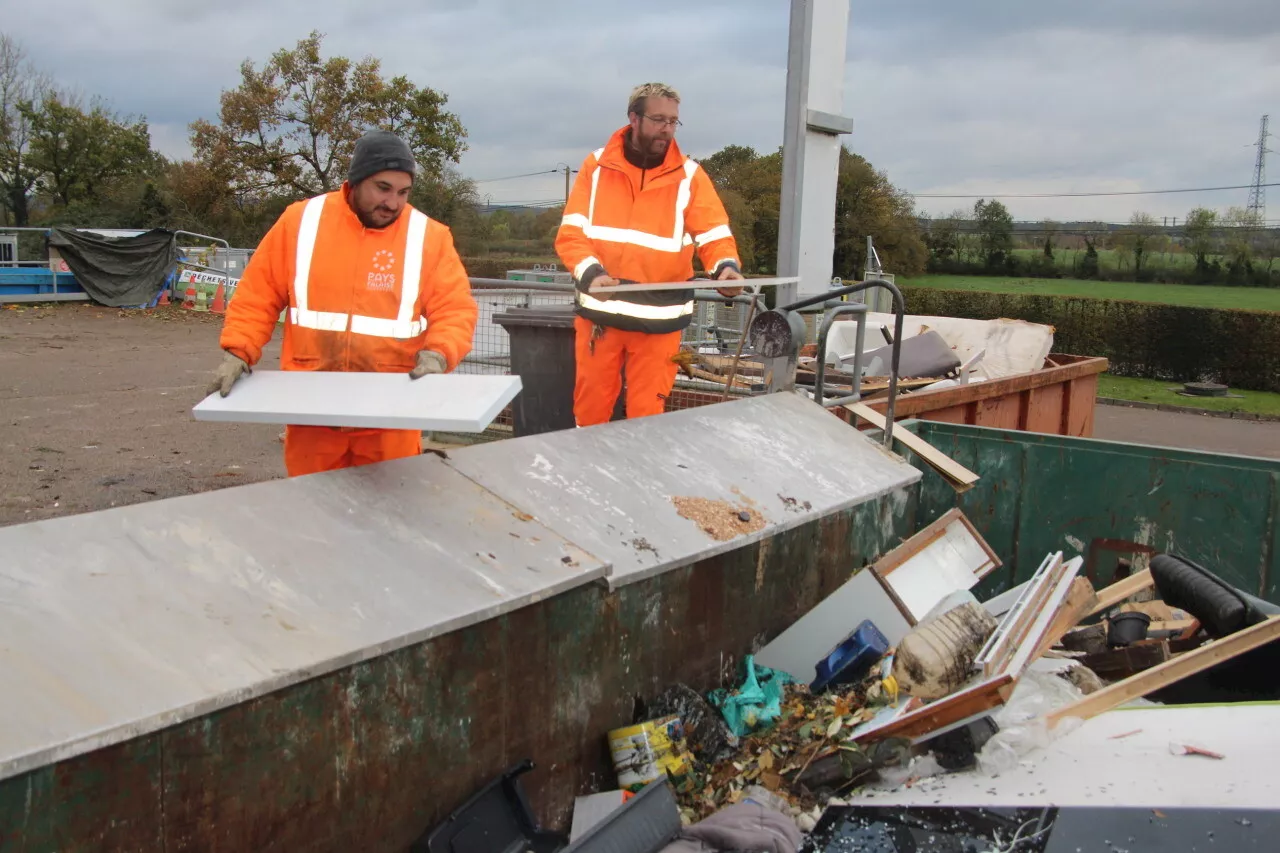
{"x": 720, "y": 520}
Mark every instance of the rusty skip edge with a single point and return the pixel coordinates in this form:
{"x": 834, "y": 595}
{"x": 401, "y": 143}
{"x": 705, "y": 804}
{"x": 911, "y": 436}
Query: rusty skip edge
{"x": 373, "y": 754}
{"x": 109, "y": 736}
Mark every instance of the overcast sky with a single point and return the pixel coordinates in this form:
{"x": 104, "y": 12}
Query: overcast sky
{"x": 976, "y": 96}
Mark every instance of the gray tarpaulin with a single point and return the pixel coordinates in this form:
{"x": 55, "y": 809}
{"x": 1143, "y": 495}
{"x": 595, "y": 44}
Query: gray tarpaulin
{"x": 118, "y": 271}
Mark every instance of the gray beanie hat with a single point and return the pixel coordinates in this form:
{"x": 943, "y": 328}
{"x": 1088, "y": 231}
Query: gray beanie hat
{"x": 379, "y": 151}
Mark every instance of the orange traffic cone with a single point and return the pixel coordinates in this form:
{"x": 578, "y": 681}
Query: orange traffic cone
{"x": 164, "y": 297}
{"x": 189, "y": 298}
{"x": 219, "y": 305}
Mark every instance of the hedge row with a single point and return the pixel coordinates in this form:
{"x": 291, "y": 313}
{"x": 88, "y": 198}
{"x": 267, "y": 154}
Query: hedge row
{"x": 1174, "y": 343}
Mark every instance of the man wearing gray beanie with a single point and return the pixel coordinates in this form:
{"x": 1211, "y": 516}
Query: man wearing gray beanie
{"x": 371, "y": 285}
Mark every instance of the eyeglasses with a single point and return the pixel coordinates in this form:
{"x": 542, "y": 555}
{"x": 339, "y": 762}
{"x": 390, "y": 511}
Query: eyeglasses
{"x": 663, "y": 120}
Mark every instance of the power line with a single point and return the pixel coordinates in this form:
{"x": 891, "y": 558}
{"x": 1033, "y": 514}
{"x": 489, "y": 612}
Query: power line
{"x": 513, "y": 177}
{"x": 525, "y": 175}
{"x": 1087, "y": 195}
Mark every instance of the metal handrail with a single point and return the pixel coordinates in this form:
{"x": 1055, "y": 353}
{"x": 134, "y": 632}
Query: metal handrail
{"x": 819, "y": 386}
{"x": 899, "y": 312}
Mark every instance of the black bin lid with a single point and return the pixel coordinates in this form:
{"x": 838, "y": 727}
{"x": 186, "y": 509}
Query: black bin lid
{"x": 537, "y": 316}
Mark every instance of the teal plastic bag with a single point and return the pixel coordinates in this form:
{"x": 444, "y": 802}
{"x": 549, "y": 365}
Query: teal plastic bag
{"x": 754, "y": 705}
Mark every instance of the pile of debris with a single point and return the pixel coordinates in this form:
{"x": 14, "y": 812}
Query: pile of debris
{"x": 928, "y": 668}
{"x": 936, "y": 352}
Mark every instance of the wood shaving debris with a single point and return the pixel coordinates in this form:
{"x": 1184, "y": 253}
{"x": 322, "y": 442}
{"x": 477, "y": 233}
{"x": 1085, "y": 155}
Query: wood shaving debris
{"x": 1124, "y": 735}
{"x": 719, "y": 519}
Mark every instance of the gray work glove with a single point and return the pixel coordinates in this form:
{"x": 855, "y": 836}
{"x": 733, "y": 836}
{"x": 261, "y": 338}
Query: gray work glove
{"x": 228, "y": 372}
{"x": 428, "y": 362}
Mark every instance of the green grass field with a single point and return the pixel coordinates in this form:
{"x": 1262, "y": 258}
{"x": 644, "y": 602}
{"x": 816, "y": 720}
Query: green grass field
{"x": 1158, "y": 391}
{"x": 1111, "y": 259}
{"x": 1193, "y": 296}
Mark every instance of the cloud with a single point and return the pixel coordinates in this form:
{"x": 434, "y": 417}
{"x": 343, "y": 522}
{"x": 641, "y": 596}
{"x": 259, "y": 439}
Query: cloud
{"x": 979, "y": 96}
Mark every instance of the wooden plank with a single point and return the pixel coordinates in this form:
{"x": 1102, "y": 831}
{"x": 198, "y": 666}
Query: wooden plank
{"x": 961, "y": 705}
{"x": 1120, "y": 590}
{"x": 1169, "y": 672}
{"x": 960, "y": 477}
{"x": 1080, "y": 600}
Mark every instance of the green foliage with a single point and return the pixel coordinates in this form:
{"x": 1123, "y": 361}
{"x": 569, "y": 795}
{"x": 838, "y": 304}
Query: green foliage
{"x": 995, "y": 231}
{"x": 750, "y": 185}
{"x": 292, "y": 127}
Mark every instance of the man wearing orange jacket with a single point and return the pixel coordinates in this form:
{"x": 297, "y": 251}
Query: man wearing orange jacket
{"x": 638, "y": 211}
{"x": 371, "y": 284}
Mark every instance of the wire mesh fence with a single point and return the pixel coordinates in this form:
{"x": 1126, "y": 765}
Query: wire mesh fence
{"x": 714, "y": 332}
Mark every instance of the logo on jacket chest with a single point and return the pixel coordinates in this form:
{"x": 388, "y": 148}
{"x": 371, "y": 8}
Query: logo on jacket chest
{"x": 381, "y": 273}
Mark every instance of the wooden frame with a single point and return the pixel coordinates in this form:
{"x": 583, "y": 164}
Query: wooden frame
{"x": 918, "y": 543}
{"x": 949, "y": 711}
{"x": 929, "y": 534}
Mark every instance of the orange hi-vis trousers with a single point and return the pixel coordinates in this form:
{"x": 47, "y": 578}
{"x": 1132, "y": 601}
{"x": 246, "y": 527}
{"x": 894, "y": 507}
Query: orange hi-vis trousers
{"x": 312, "y": 449}
{"x": 651, "y": 373}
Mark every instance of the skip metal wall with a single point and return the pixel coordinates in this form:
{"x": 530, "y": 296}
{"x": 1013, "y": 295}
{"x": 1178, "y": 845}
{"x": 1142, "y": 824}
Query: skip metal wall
{"x": 1107, "y": 501}
{"x": 371, "y": 756}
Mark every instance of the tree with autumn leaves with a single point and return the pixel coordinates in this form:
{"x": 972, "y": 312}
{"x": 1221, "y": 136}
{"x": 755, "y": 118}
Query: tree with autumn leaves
{"x": 290, "y": 127}
{"x": 867, "y": 204}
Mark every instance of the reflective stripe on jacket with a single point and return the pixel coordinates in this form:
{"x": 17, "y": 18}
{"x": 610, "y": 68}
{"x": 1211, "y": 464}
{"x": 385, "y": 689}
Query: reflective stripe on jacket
{"x": 358, "y": 299}
{"x": 642, "y": 225}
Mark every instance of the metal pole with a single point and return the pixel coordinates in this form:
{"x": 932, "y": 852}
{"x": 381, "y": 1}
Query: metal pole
{"x": 780, "y": 373}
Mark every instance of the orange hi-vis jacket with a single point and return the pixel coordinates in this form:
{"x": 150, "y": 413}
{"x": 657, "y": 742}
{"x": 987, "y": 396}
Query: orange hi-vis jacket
{"x": 642, "y": 225}
{"x": 359, "y": 299}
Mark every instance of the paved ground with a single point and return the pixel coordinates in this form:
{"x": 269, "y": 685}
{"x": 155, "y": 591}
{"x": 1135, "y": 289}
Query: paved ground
{"x": 1194, "y": 432}
{"x": 95, "y": 412}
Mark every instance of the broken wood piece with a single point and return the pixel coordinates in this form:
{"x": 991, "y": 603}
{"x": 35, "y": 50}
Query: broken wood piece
{"x": 1120, "y": 590}
{"x": 959, "y": 477}
{"x": 1188, "y": 749}
{"x": 738, "y": 382}
{"x": 954, "y": 710}
{"x": 1079, "y": 601}
{"x": 1115, "y": 664}
{"x": 1125, "y": 735}
{"x": 1087, "y": 638}
{"x": 1170, "y": 671}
